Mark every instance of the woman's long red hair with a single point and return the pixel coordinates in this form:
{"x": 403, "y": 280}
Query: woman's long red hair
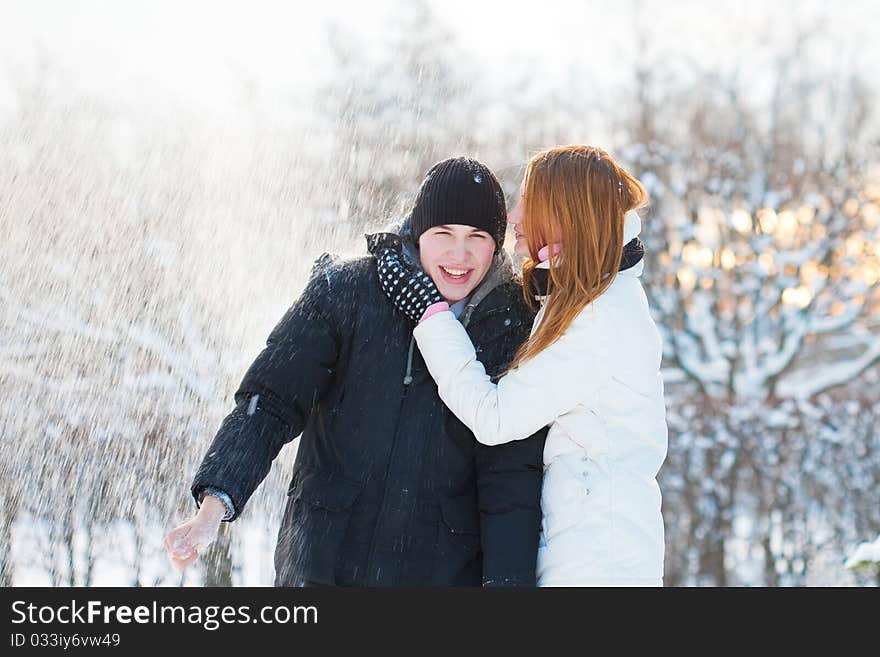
{"x": 576, "y": 196}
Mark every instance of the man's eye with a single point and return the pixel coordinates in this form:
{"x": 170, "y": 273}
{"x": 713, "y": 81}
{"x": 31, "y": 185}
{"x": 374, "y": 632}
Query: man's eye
{"x": 479, "y": 236}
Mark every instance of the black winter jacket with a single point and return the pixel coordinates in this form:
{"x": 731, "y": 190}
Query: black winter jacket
{"x": 389, "y": 488}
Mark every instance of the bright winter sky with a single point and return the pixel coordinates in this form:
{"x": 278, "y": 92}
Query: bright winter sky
{"x": 197, "y": 50}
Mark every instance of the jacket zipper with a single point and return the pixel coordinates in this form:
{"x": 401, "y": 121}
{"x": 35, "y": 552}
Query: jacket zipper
{"x": 407, "y": 380}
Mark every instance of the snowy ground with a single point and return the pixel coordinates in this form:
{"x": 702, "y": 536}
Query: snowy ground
{"x": 253, "y": 547}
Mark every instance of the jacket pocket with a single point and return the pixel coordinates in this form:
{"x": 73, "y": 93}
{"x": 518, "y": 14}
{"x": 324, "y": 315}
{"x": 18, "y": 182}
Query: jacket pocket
{"x": 325, "y": 490}
{"x": 457, "y": 557}
{"x": 460, "y": 518}
{"x": 314, "y": 528}
{"x": 565, "y": 494}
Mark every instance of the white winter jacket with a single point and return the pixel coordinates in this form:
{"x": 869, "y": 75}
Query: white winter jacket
{"x": 600, "y": 390}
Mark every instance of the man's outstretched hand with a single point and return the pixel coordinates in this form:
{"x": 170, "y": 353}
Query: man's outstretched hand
{"x": 184, "y": 542}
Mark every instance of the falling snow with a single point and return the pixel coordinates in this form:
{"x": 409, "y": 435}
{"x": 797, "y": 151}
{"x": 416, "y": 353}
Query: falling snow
{"x": 148, "y": 245}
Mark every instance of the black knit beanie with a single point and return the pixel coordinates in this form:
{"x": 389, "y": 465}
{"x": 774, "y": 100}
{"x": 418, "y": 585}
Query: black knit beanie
{"x": 461, "y": 191}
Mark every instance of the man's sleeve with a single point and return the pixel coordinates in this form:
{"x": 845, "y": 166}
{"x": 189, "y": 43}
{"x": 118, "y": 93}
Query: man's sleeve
{"x": 509, "y": 481}
{"x": 278, "y": 391}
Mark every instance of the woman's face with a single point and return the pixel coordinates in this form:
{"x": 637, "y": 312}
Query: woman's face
{"x": 456, "y": 257}
{"x": 515, "y": 218}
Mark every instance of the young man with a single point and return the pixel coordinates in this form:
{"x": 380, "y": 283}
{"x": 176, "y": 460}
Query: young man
{"x": 389, "y": 488}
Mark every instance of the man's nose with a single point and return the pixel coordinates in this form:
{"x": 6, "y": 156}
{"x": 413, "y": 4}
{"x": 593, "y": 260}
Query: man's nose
{"x": 458, "y": 252}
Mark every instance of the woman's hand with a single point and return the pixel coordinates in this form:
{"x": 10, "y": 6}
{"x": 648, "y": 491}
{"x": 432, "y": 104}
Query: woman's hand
{"x": 409, "y": 288}
{"x": 184, "y": 542}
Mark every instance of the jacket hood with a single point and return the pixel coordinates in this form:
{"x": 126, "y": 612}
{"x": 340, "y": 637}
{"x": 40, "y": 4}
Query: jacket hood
{"x": 400, "y": 234}
{"x": 632, "y": 226}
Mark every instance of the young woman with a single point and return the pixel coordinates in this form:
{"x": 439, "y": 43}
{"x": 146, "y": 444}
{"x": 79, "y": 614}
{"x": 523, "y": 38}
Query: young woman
{"x": 590, "y": 369}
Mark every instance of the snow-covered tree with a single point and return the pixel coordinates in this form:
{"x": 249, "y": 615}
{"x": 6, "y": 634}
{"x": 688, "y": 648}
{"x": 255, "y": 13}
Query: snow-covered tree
{"x": 762, "y": 273}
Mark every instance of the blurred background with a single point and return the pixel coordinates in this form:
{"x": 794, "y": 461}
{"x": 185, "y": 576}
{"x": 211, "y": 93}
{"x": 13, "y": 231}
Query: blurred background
{"x": 170, "y": 170}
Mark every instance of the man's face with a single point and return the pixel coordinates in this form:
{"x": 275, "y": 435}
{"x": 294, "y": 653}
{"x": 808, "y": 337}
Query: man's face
{"x": 456, "y": 257}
